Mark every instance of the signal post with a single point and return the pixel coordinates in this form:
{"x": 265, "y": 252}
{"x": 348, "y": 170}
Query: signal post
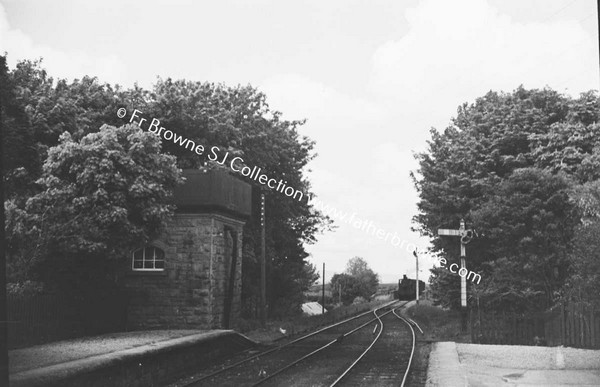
{"x": 465, "y": 237}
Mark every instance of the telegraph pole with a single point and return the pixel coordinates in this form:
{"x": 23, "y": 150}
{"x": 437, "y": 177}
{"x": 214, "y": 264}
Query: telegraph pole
{"x": 465, "y": 237}
{"x": 417, "y": 275}
{"x": 263, "y": 265}
{"x": 3, "y": 299}
{"x": 323, "y": 291}
{"x": 463, "y": 280}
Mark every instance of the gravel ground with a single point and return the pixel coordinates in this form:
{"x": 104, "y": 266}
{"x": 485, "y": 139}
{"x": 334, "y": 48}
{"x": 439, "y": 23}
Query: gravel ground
{"x": 418, "y": 374}
{"x": 63, "y": 351}
{"x": 528, "y": 357}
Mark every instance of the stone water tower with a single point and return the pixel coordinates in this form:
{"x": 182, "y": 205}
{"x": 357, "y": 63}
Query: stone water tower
{"x": 191, "y": 276}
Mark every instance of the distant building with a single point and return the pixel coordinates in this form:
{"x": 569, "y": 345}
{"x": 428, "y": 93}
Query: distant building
{"x": 312, "y": 308}
{"x": 190, "y": 277}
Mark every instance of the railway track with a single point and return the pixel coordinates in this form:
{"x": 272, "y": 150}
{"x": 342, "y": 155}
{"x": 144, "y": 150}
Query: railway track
{"x": 352, "y": 352}
{"x": 383, "y": 361}
{"x": 387, "y": 362}
{"x": 381, "y": 356}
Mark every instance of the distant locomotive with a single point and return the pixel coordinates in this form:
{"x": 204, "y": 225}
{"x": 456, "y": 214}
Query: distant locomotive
{"x": 406, "y": 289}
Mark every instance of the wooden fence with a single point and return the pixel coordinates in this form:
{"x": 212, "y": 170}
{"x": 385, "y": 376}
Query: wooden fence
{"x": 43, "y": 318}
{"x": 573, "y": 325}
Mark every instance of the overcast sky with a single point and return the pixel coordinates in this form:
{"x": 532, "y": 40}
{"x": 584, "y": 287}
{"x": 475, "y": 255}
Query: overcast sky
{"x": 370, "y": 77}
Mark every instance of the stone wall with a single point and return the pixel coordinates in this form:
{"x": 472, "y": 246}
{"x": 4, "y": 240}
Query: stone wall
{"x": 192, "y": 290}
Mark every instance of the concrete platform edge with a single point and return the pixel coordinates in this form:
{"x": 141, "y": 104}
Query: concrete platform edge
{"x": 53, "y": 374}
{"x": 444, "y": 368}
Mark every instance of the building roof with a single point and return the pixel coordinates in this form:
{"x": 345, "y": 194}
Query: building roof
{"x": 213, "y": 191}
{"x": 312, "y": 308}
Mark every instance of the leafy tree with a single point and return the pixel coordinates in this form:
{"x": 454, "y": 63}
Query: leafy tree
{"x": 584, "y": 281}
{"x": 20, "y": 159}
{"x": 572, "y": 148}
{"x": 39, "y": 109}
{"x": 348, "y": 286}
{"x": 477, "y": 157}
{"x": 358, "y": 268}
{"x": 55, "y": 106}
{"x": 528, "y": 224}
{"x": 22, "y": 250}
{"x": 359, "y": 280}
{"x": 445, "y": 289}
{"x": 236, "y": 119}
{"x": 101, "y": 195}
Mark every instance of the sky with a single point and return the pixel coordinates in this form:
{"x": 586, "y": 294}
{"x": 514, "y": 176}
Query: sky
{"x": 370, "y": 77}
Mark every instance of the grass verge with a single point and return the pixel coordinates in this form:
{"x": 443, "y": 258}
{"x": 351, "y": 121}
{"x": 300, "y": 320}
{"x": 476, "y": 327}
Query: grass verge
{"x": 438, "y": 324}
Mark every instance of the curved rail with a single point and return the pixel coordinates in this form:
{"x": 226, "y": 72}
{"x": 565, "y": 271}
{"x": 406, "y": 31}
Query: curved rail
{"x": 273, "y": 374}
{"x": 269, "y": 351}
{"x": 365, "y": 351}
{"x": 412, "y": 352}
{"x": 415, "y": 324}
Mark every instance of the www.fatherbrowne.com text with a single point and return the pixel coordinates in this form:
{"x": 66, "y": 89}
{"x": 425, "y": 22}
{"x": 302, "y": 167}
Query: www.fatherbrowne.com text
{"x": 380, "y": 233}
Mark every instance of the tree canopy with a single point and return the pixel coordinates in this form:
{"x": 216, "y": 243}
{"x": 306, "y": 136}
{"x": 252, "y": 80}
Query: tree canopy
{"x": 237, "y": 119}
{"x": 101, "y": 195}
{"x": 508, "y": 164}
{"x": 584, "y": 281}
{"x": 359, "y": 280}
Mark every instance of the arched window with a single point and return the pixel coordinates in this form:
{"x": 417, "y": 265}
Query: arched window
{"x": 149, "y": 258}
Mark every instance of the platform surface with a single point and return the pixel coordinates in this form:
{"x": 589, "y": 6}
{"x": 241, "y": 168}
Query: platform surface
{"x": 64, "y": 360}
{"x": 68, "y": 350}
{"x": 452, "y": 364}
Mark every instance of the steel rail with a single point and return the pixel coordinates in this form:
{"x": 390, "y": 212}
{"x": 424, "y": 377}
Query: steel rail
{"x": 364, "y": 352}
{"x": 415, "y": 324}
{"x": 412, "y": 352}
{"x": 269, "y": 351}
{"x": 288, "y": 366}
